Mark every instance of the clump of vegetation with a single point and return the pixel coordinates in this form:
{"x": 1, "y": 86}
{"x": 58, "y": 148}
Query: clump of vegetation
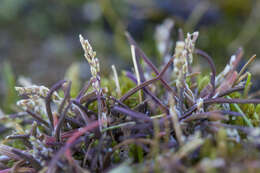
{"x": 167, "y": 119}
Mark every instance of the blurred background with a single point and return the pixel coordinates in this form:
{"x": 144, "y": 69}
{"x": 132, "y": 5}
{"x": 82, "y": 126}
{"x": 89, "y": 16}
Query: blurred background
{"x": 39, "y": 39}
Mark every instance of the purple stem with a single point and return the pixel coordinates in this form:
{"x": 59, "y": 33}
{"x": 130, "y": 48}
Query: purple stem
{"x": 220, "y": 100}
{"x": 66, "y": 97}
{"x": 146, "y": 83}
{"x": 148, "y": 62}
{"x": 26, "y": 156}
{"x": 62, "y": 114}
{"x": 38, "y": 118}
{"x": 225, "y": 100}
{"x": 84, "y": 90}
{"x": 212, "y": 67}
{"x": 48, "y": 100}
{"x": 155, "y": 99}
{"x": 133, "y": 114}
{"x": 239, "y": 88}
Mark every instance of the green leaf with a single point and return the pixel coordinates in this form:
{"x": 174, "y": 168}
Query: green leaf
{"x": 203, "y": 82}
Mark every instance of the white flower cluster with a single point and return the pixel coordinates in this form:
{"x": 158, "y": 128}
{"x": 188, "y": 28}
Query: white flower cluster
{"x": 190, "y": 45}
{"x": 93, "y": 61}
{"x": 184, "y": 56}
{"x": 35, "y": 90}
{"x": 180, "y": 62}
{"x": 34, "y": 104}
{"x": 36, "y": 95}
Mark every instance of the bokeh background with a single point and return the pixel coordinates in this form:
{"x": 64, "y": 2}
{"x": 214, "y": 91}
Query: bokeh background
{"x": 39, "y": 39}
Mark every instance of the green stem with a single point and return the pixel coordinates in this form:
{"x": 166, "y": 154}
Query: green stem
{"x": 248, "y": 85}
{"x": 248, "y": 122}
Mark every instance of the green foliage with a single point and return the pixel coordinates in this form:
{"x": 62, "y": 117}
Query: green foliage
{"x": 72, "y": 74}
{"x": 9, "y": 81}
{"x": 203, "y": 81}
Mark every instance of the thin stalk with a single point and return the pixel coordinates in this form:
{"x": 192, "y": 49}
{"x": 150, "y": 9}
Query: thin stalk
{"x": 242, "y": 77}
{"x": 149, "y": 93}
{"x": 146, "y": 83}
{"x": 248, "y": 85}
{"x": 231, "y": 100}
{"x": 248, "y": 122}
{"x": 245, "y": 66}
{"x": 26, "y": 156}
{"x": 149, "y": 63}
{"x": 62, "y": 114}
{"x": 82, "y": 112}
{"x": 129, "y": 123}
{"x": 219, "y": 100}
{"x": 38, "y": 118}
{"x": 175, "y": 121}
{"x": 26, "y": 136}
{"x": 229, "y": 91}
{"x": 60, "y": 122}
{"x": 66, "y": 97}
{"x": 131, "y": 113}
{"x": 136, "y": 71}
{"x": 84, "y": 90}
{"x": 212, "y": 67}
{"x": 118, "y": 90}
{"x": 48, "y": 101}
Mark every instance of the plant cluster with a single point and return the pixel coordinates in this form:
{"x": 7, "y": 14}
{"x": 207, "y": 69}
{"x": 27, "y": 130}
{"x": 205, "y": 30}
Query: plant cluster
{"x": 170, "y": 119}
